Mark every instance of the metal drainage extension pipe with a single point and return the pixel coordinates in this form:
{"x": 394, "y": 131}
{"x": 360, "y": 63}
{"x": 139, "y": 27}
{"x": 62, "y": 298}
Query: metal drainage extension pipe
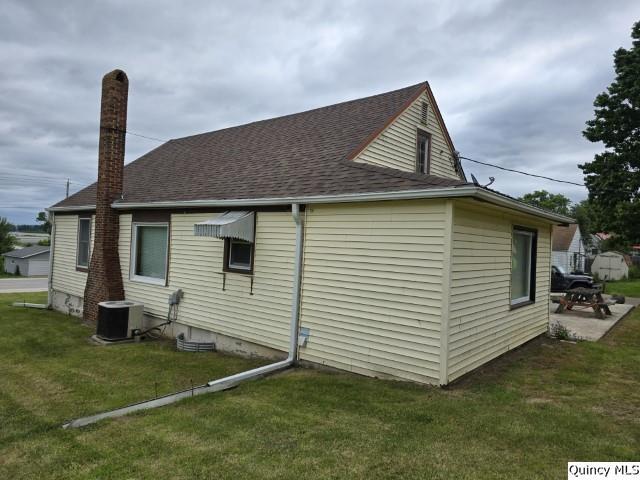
{"x": 233, "y": 380}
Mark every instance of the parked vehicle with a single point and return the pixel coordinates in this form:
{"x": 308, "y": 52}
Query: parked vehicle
{"x": 562, "y": 281}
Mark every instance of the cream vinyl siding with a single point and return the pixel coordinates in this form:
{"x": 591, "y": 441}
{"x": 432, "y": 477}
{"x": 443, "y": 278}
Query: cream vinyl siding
{"x": 481, "y": 325}
{"x": 372, "y": 287}
{"x": 195, "y": 266}
{"x": 395, "y": 147}
{"x": 66, "y": 278}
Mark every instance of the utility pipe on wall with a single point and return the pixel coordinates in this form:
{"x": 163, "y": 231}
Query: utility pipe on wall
{"x": 233, "y": 380}
{"x": 52, "y": 242}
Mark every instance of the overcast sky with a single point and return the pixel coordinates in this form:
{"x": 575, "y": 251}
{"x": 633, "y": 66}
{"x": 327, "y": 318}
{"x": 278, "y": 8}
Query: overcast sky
{"x": 515, "y": 80}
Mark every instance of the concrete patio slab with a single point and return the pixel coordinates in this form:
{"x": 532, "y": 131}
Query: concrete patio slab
{"x": 584, "y": 325}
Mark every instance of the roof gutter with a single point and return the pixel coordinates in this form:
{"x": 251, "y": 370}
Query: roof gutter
{"x": 471, "y": 191}
{"x": 79, "y": 208}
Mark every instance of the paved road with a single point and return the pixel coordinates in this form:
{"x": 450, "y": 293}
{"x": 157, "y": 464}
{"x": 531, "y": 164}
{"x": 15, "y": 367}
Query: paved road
{"x": 16, "y": 285}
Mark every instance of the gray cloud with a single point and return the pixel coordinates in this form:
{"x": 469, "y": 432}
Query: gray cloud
{"x": 515, "y": 80}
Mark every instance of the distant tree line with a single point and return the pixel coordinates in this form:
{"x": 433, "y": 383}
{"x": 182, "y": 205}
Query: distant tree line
{"x": 27, "y": 228}
{"x": 8, "y": 241}
{"x": 43, "y": 225}
{"x": 582, "y": 212}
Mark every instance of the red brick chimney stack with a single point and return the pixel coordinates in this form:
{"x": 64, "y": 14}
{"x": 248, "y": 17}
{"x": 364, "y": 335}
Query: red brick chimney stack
{"x": 104, "y": 281}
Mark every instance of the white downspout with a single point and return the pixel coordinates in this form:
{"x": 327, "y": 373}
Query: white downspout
{"x": 297, "y": 284}
{"x": 233, "y": 380}
{"x": 51, "y": 253}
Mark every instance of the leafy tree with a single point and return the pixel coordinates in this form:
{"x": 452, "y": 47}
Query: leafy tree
{"x": 584, "y": 213}
{"x": 7, "y": 241}
{"x": 616, "y": 242}
{"x": 613, "y": 177}
{"x": 44, "y": 219}
{"x": 557, "y": 203}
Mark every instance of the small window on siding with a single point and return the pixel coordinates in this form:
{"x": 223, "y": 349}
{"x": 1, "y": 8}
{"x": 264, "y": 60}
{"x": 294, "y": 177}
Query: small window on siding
{"x": 523, "y": 266}
{"x": 84, "y": 242}
{"x": 238, "y": 256}
{"x": 149, "y": 251}
{"x": 423, "y": 146}
{"x": 424, "y": 113}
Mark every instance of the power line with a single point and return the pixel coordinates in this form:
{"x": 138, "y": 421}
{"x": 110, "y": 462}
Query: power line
{"x": 142, "y": 136}
{"x": 12, "y": 207}
{"x": 26, "y": 175}
{"x": 16, "y": 179}
{"x": 521, "y": 172}
{"x": 177, "y": 144}
{"x": 177, "y": 141}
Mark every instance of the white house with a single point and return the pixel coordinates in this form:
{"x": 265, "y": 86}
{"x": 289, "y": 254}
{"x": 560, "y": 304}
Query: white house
{"x": 568, "y": 247}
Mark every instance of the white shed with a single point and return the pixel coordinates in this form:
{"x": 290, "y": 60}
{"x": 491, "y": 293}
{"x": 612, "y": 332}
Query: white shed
{"x": 30, "y": 261}
{"x": 611, "y": 266}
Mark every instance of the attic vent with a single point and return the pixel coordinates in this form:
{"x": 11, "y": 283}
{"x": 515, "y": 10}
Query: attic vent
{"x": 424, "y": 113}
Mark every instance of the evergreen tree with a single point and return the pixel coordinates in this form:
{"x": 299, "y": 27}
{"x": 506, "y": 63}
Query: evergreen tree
{"x": 613, "y": 177}
{"x": 7, "y": 241}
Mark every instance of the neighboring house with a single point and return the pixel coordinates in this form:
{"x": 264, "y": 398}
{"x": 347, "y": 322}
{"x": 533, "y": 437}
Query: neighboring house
{"x": 408, "y": 271}
{"x": 611, "y": 265}
{"x": 31, "y": 261}
{"x": 568, "y": 247}
{"x": 595, "y": 247}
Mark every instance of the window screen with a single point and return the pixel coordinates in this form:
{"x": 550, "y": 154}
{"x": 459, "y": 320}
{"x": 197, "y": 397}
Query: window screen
{"x": 523, "y": 265}
{"x": 240, "y": 253}
{"x": 84, "y": 242}
{"x": 422, "y": 152}
{"x": 151, "y": 251}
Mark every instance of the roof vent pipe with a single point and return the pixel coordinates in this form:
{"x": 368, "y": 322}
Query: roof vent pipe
{"x": 233, "y": 380}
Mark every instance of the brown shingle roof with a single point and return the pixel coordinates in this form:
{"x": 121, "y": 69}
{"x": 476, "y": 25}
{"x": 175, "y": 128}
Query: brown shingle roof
{"x": 303, "y": 154}
{"x": 562, "y": 237}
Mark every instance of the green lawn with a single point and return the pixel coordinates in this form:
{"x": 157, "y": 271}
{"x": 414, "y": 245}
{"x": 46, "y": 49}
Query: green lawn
{"x": 628, "y": 288}
{"x": 523, "y": 416}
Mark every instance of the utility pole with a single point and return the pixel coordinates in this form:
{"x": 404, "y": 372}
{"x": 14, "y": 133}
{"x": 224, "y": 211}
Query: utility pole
{"x": 67, "y": 188}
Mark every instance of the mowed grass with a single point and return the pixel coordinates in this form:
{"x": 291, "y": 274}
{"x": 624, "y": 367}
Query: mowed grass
{"x": 523, "y": 416}
{"x": 628, "y": 288}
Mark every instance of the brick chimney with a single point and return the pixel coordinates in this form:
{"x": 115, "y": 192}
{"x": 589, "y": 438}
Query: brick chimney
{"x": 104, "y": 281}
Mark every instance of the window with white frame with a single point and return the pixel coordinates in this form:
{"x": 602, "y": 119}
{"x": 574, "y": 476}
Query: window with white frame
{"x": 84, "y": 242}
{"x": 150, "y": 252}
{"x": 523, "y": 265}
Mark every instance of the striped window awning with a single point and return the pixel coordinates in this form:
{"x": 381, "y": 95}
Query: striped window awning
{"x": 231, "y": 224}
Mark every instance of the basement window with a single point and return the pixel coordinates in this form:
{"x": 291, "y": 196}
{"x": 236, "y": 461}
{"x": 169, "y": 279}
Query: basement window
{"x": 238, "y": 256}
{"x": 523, "y": 266}
{"x": 84, "y": 243}
{"x": 149, "y": 252}
{"x": 423, "y": 152}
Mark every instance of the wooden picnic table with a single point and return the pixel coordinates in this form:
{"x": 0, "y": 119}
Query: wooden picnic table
{"x": 585, "y": 298}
